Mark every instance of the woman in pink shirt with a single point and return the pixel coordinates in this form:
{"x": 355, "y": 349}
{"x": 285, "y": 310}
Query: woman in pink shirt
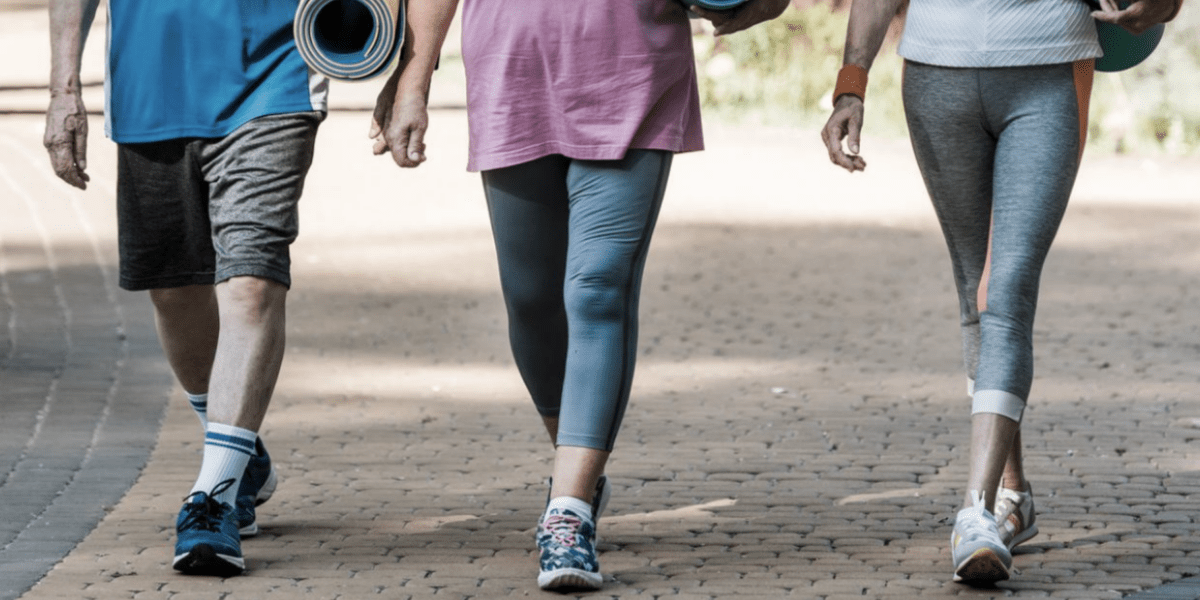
{"x": 575, "y": 111}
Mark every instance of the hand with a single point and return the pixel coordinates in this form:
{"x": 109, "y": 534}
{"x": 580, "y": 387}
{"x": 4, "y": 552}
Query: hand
{"x": 399, "y": 125}
{"x": 845, "y": 122}
{"x": 743, "y": 17}
{"x": 1139, "y": 16}
{"x": 66, "y": 137}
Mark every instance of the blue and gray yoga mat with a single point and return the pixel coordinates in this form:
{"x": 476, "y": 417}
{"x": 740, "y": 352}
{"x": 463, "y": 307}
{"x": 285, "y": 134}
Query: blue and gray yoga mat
{"x": 350, "y": 39}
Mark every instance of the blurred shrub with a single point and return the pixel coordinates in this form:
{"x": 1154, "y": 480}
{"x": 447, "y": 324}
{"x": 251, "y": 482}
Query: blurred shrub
{"x": 783, "y": 72}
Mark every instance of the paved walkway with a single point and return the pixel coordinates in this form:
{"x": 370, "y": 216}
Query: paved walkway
{"x": 799, "y": 422}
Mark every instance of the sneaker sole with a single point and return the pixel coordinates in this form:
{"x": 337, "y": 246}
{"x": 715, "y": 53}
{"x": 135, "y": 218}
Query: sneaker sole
{"x": 249, "y": 531}
{"x": 576, "y": 579}
{"x": 203, "y": 560}
{"x": 981, "y": 567}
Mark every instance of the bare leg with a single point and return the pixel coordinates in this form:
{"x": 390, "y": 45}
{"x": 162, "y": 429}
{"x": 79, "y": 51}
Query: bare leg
{"x": 576, "y": 471}
{"x": 249, "y": 351}
{"x": 188, "y": 327}
{"x": 1014, "y": 467}
{"x": 992, "y": 438}
{"x": 551, "y": 424}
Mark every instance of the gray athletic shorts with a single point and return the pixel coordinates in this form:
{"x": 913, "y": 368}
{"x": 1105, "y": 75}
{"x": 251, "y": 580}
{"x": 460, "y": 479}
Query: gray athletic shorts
{"x": 199, "y": 211}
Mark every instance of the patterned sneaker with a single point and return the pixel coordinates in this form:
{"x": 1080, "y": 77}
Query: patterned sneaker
{"x": 258, "y": 484}
{"x": 980, "y": 557}
{"x": 567, "y": 542}
{"x": 1015, "y": 516}
{"x": 208, "y": 541}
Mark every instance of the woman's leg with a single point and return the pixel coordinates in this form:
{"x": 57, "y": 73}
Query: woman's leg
{"x": 1040, "y": 116}
{"x": 956, "y": 154}
{"x": 528, "y": 206}
{"x": 613, "y": 209}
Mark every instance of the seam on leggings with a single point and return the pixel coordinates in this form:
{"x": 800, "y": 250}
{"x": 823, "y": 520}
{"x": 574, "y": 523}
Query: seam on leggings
{"x": 639, "y": 256}
{"x": 1085, "y": 72}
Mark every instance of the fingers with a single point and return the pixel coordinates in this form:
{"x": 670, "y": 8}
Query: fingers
{"x": 832, "y": 136}
{"x": 62, "y": 158}
{"x": 717, "y": 18}
{"x": 742, "y": 20}
{"x": 416, "y": 146}
{"x": 80, "y": 145}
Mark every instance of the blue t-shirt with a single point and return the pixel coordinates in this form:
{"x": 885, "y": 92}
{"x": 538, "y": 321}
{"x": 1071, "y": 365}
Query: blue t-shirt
{"x": 202, "y": 68}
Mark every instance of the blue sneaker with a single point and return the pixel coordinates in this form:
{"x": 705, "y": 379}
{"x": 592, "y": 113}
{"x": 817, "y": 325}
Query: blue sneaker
{"x": 567, "y": 543}
{"x": 207, "y": 536}
{"x": 258, "y": 484}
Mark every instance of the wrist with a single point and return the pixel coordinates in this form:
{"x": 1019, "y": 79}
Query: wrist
{"x": 851, "y": 80}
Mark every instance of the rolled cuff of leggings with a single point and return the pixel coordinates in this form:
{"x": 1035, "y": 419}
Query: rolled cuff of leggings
{"x": 998, "y": 402}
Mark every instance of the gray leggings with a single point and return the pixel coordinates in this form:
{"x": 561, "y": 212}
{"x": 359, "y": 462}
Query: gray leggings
{"x": 571, "y": 239}
{"x": 999, "y": 150}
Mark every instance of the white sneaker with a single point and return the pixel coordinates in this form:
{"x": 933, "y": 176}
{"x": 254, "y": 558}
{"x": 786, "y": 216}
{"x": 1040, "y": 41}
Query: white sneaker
{"x": 1015, "y": 516}
{"x": 980, "y": 557}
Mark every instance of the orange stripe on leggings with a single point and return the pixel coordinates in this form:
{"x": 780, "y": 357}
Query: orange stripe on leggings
{"x": 1085, "y": 71}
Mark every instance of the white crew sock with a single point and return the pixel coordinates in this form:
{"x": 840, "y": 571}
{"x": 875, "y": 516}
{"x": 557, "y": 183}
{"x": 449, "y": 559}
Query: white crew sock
{"x": 227, "y": 450}
{"x": 199, "y": 404}
{"x": 572, "y": 504}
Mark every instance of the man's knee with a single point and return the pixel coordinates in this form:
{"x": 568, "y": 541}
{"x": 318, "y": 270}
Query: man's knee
{"x": 250, "y": 298}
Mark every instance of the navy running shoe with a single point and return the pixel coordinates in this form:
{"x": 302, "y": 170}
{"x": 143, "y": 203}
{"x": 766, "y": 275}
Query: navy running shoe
{"x": 567, "y": 545}
{"x": 258, "y": 484}
{"x": 207, "y": 536}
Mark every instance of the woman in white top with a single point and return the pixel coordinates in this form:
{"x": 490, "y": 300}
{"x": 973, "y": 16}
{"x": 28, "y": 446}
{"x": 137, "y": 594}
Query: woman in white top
{"x": 996, "y": 95}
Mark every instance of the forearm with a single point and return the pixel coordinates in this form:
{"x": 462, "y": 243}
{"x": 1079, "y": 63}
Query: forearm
{"x": 70, "y": 21}
{"x": 869, "y": 21}
{"x": 428, "y": 22}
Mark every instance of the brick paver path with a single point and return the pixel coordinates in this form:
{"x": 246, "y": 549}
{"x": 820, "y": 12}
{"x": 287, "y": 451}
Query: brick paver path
{"x": 799, "y": 420}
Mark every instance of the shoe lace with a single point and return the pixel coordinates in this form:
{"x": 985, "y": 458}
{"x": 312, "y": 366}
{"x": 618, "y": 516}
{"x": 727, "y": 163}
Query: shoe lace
{"x": 207, "y": 513}
{"x": 562, "y": 528}
{"x": 977, "y": 522}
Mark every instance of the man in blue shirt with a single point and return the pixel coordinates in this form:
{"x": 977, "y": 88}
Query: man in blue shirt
{"x": 215, "y": 116}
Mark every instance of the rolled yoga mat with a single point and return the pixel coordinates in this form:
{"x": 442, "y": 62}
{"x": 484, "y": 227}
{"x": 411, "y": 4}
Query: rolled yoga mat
{"x": 350, "y": 39}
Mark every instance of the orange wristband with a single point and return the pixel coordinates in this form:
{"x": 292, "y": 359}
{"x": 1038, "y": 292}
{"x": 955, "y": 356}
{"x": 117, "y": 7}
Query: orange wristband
{"x": 852, "y": 79}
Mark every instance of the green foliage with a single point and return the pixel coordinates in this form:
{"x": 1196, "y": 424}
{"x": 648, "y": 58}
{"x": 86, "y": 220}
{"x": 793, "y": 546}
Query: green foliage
{"x": 1154, "y": 107}
{"x": 783, "y": 72}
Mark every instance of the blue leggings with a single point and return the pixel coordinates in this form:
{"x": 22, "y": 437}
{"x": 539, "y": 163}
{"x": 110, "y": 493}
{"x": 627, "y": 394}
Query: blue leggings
{"x": 571, "y": 240}
{"x": 999, "y": 150}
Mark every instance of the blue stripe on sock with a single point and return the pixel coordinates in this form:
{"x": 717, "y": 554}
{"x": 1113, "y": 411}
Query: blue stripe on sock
{"x": 230, "y": 441}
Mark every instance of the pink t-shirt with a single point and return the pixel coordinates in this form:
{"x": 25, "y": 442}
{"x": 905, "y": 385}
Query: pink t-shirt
{"x": 587, "y": 79}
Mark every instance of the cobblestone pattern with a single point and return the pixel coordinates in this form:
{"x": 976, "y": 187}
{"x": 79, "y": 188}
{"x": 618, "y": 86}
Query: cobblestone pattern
{"x": 81, "y": 386}
{"x": 798, "y": 428}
